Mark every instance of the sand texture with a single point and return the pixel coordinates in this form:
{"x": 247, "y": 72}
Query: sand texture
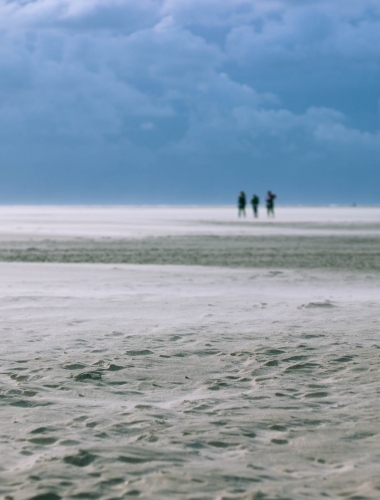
{"x": 191, "y": 382}
{"x": 299, "y": 238}
{"x": 292, "y": 252}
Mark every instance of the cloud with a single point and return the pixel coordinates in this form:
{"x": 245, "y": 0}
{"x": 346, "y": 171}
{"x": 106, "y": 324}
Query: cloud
{"x": 175, "y": 85}
{"x": 317, "y": 29}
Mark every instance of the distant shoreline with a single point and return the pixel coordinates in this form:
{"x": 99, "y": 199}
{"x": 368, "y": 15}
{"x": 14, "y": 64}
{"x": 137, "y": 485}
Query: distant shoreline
{"x": 188, "y": 205}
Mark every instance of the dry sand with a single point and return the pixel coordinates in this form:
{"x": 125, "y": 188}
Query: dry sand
{"x": 223, "y": 381}
{"x": 306, "y": 238}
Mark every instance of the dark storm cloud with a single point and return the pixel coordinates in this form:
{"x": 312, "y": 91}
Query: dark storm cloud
{"x": 186, "y": 100}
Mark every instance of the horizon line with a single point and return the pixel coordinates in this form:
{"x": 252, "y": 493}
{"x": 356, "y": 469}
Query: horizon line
{"x": 189, "y": 205}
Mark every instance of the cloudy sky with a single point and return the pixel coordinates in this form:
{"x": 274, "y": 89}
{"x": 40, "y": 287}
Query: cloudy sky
{"x": 189, "y": 101}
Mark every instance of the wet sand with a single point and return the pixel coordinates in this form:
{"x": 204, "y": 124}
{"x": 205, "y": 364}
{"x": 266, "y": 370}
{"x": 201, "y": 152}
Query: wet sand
{"x": 189, "y": 381}
{"x": 299, "y": 238}
{"x": 296, "y": 252}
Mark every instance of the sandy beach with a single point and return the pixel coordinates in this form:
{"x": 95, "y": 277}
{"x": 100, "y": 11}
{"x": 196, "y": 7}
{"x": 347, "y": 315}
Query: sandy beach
{"x": 182, "y": 353}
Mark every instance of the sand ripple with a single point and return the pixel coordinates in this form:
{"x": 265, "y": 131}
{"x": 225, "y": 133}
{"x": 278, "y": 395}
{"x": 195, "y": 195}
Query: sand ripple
{"x": 354, "y": 252}
{"x": 188, "y": 383}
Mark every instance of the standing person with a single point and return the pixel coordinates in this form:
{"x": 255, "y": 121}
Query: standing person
{"x": 270, "y": 203}
{"x": 242, "y": 201}
{"x": 255, "y": 205}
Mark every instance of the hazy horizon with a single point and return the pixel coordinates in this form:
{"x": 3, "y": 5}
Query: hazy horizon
{"x": 205, "y": 205}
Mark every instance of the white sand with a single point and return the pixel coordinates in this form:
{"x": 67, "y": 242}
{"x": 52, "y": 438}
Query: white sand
{"x": 188, "y": 381}
{"x": 139, "y": 222}
{"x": 303, "y": 238}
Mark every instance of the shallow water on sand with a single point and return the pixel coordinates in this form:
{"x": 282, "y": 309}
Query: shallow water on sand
{"x": 180, "y": 382}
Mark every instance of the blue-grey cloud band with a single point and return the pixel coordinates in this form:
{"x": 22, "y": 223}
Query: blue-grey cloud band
{"x": 189, "y": 101}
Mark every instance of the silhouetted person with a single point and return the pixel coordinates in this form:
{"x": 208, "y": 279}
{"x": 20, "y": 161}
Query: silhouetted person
{"x": 242, "y": 201}
{"x": 255, "y": 205}
{"x": 270, "y": 203}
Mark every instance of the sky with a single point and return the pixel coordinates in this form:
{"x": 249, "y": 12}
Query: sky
{"x": 189, "y": 101}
